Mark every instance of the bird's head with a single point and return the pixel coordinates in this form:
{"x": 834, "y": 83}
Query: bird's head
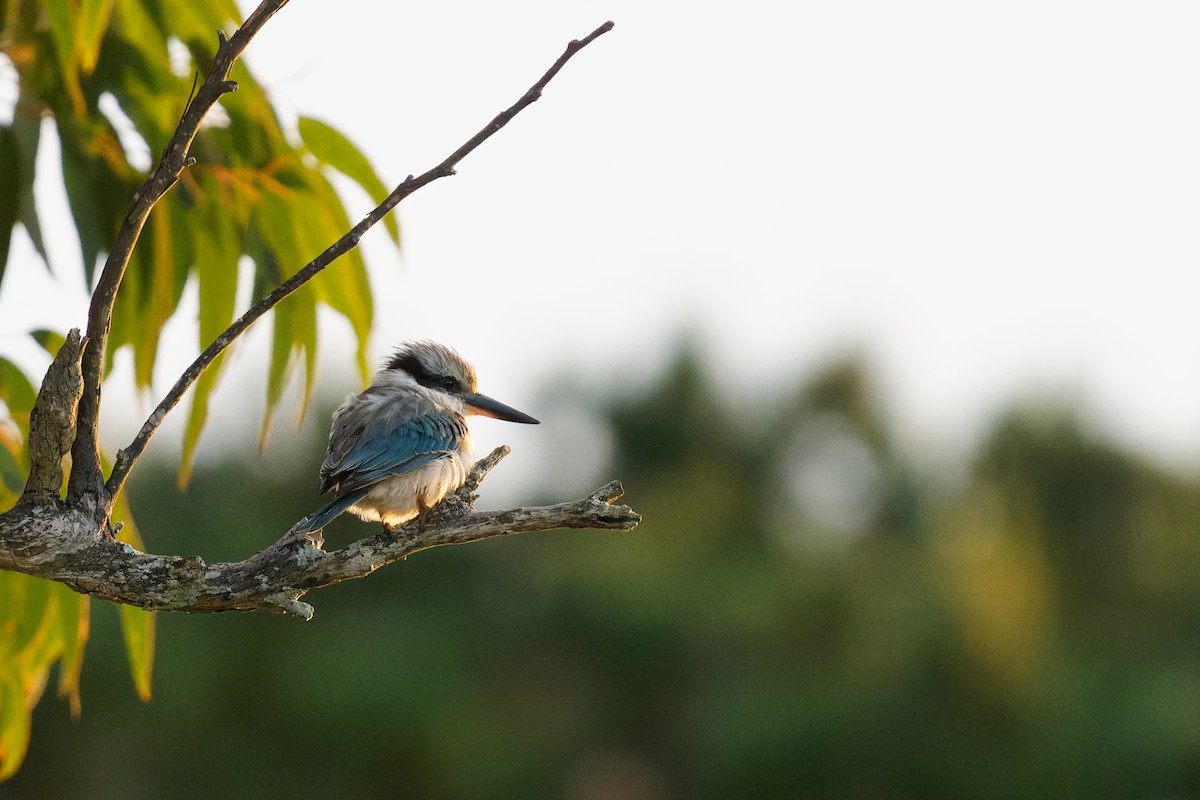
{"x": 439, "y": 368}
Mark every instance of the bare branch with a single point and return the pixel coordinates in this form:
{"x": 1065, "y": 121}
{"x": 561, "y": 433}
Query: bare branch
{"x": 129, "y": 455}
{"x": 87, "y": 480}
{"x": 70, "y": 547}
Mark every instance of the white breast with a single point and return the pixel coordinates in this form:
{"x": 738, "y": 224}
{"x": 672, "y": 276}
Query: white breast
{"x": 395, "y": 500}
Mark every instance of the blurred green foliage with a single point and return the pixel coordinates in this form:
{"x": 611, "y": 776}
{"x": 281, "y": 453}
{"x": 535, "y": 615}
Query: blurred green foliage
{"x": 111, "y": 78}
{"x": 45, "y": 624}
{"x": 802, "y": 614}
{"x": 771, "y": 630}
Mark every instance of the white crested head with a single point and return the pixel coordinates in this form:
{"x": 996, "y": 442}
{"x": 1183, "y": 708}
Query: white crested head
{"x": 443, "y": 376}
{"x": 434, "y": 366}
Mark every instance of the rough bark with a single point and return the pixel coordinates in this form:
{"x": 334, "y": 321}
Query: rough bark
{"x": 52, "y": 539}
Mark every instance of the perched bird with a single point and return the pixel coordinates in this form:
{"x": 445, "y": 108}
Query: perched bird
{"x": 402, "y": 444}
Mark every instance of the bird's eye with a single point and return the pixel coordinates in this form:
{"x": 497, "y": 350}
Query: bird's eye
{"x": 449, "y": 383}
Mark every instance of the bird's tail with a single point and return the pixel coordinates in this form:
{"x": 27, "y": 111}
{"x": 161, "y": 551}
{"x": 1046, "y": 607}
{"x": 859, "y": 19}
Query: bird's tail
{"x": 325, "y": 514}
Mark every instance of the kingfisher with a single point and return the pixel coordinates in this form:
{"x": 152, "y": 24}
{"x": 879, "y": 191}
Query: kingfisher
{"x": 402, "y": 444}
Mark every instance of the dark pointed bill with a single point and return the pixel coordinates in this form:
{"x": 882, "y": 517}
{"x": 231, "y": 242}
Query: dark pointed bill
{"x": 487, "y": 407}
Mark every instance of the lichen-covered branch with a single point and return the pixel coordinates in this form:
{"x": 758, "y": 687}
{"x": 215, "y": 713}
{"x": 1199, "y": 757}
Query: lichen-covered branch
{"x": 57, "y": 542}
{"x": 69, "y": 540}
{"x": 52, "y": 421}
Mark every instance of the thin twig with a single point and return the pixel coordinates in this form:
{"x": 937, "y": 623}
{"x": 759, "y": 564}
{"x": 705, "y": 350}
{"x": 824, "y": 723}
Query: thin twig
{"x": 129, "y": 455}
{"x": 87, "y": 479}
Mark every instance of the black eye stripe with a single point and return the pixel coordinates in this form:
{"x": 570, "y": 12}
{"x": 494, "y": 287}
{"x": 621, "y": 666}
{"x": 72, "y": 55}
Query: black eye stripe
{"x": 414, "y": 366}
{"x": 446, "y": 382}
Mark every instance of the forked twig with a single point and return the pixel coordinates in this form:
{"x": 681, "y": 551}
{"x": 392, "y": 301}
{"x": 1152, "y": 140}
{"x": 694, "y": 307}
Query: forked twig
{"x": 87, "y": 480}
{"x": 129, "y": 455}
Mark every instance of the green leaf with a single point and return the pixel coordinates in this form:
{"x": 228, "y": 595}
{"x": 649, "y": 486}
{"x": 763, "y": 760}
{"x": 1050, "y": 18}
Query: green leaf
{"x": 15, "y": 719}
{"x": 295, "y": 334}
{"x": 74, "y": 52}
{"x": 14, "y": 466}
{"x": 136, "y": 69}
{"x": 51, "y": 341}
{"x": 10, "y": 192}
{"x": 73, "y": 615}
{"x": 343, "y": 285}
{"x": 283, "y": 244}
{"x": 91, "y": 22}
{"x": 217, "y": 257}
{"x": 17, "y": 393}
{"x": 24, "y": 616}
{"x": 18, "y": 154}
{"x": 333, "y": 149}
{"x": 59, "y": 14}
{"x": 63, "y": 35}
{"x": 152, "y": 287}
{"x": 82, "y": 192}
{"x": 28, "y": 131}
{"x": 197, "y": 22}
{"x": 137, "y": 625}
{"x": 31, "y": 640}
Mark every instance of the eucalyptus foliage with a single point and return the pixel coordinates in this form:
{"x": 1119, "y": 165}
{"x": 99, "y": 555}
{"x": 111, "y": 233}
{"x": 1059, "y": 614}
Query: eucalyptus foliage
{"x": 109, "y": 79}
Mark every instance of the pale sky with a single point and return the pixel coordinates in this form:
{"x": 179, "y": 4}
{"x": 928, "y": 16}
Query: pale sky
{"x": 990, "y": 200}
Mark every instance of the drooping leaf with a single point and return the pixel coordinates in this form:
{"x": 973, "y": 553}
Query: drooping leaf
{"x": 153, "y": 261}
{"x": 172, "y": 255}
{"x": 17, "y": 393}
{"x": 73, "y": 53}
{"x": 31, "y": 641}
{"x": 73, "y": 620}
{"x": 152, "y": 287}
{"x": 25, "y": 618}
{"x": 124, "y": 48}
{"x": 217, "y": 257}
{"x": 331, "y": 147}
{"x": 135, "y": 68}
{"x": 82, "y": 193}
{"x": 295, "y": 320}
{"x": 91, "y": 21}
{"x": 10, "y": 179}
{"x": 295, "y": 332}
{"x": 42, "y": 623}
{"x": 14, "y": 467}
{"x": 28, "y": 132}
{"x": 51, "y": 341}
{"x": 14, "y": 458}
{"x": 342, "y": 285}
{"x": 15, "y": 719}
{"x": 59, "y": 13}
{"x": 18, "y": 151}
{"x": 137, "y": 625}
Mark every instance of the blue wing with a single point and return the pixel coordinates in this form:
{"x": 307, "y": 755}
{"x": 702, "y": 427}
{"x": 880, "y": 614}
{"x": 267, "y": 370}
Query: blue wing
{"x": 384, "y": 446}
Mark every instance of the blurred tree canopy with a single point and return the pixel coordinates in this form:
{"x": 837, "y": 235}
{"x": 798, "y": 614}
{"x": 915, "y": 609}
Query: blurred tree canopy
{"x": 803, "y": 613}
{"x": 109, "y": 80}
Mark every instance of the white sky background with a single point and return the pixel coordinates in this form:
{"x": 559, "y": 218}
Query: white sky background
{"x": 988, "y": 199}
